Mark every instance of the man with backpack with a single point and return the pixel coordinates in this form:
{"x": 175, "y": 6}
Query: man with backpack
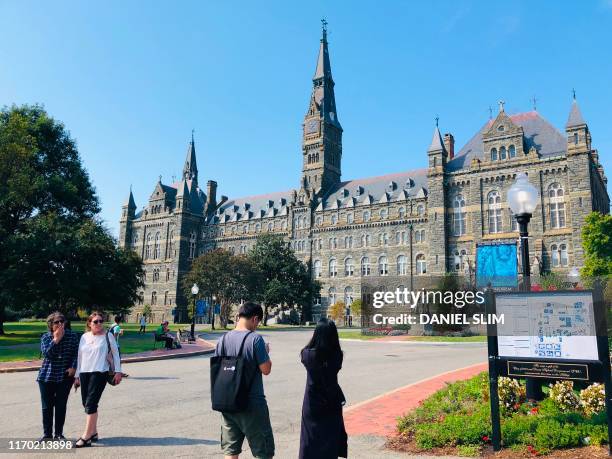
{"x": 240, "y": 360}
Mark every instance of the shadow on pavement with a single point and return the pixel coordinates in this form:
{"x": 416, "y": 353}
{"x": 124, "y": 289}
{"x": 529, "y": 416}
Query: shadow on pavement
{"x": 149, "y": 441}
{"x": 152, "y": 378}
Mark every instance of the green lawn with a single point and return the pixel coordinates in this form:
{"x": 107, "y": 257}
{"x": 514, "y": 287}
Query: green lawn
{"x": 354, "y": 334}
{"x": 22, "y": 339}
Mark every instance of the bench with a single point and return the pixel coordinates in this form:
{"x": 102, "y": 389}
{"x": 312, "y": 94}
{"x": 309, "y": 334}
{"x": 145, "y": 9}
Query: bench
{"x": 184, "y": 336}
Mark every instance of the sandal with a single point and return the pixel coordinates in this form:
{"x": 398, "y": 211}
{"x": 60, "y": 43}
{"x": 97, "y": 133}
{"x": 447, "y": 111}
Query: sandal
{"x": 85, "y": 444}
{"x": 94, "y": 437}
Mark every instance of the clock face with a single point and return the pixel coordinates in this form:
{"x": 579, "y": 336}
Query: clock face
{"x": 312, "y": 126}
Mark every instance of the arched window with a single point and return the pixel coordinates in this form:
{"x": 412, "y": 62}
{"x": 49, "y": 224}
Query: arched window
{"x": 559, "y": 255}
{"x": 149, "y": 248}
{"x": 333, "y": 269}
{"x": 502, "y": 153}
{"x": 421, "y": 264}
{"x": 365, "y": 266}
{"x": 575, "y": 138}
{"x": 401, "y": 212}
{"x": 556, "y": 206}
{"x": 493, "y": 154}
{"x": 284, "y": 225}
{"x": 365, "y": 240}
{"x": 332, "y": 295}
{"x": 383, "y": 267}
{"x": 153, "y": 298}
{"x": 165, "y": 297}
{"x": 383, "y": 214}
{"x": 421, "y": 210}
{"x": 135, "y": 241}
{"x": 459, "y": 215}
{"x": 494, "y": 212}
{"x": 348, "y": 296}
{"x": 349, "y": 218}
{"x": 334, "y": 219}
{"x": 157, "y": 251}
{"x": 512, "y": 151}
{"x": 319, "y": 221}
{"x": 317, "y": 268}
{"x": 348, "y": 267}
{"x": 419, "y": 236}
{"x": 271, "y": 226}
{"x": 402, "y": 266}
{"x": 156, "y": 275}
{"x": 366, "y": 216}
{"x": 383, "y": 239}
{"x": 167, "y": 274}
{"x": 192, "y": 245}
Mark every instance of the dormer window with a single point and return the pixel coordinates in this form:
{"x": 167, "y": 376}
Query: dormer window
{"x": 500, "y": 128}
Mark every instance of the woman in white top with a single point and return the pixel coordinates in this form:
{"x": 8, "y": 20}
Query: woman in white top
{"x": 92, "y": 371}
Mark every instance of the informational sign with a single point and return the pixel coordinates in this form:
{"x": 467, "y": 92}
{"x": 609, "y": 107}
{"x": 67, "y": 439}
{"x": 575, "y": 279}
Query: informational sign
{"x": 558, "y": 325}
{"x": 496, "y": 265}
{"x": 201, "y": 307}
{"x": 552, "y": 370}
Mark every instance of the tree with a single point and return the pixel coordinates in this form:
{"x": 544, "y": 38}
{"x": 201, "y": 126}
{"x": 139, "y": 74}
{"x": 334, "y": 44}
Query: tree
{"x": 356, "y": 307}
{"x": 146, "y": 311}
{"x": 53, "y": 251}
{"x": 230, "y": 278}
{"x": 285, "y": 280}
{"x": 597, "y": 245}
{"x": 336, "y": 311}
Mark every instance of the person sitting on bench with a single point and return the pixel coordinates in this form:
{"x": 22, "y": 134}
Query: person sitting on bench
{"x": 163, "y": 334}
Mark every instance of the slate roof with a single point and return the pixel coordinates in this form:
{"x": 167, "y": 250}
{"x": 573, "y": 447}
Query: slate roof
{"x": 537, "y": 132}
{"x": 575, "y": 117}
{"x": 250, "y": 207}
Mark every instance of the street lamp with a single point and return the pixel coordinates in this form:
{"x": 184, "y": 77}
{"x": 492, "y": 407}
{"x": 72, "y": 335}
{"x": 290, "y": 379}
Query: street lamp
{"x": 212, "y": 310}
{"x": 523, "y": 198}
{"x": 194, "y": 291}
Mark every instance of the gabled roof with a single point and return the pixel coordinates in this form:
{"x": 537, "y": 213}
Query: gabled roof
{"x": 537, "y": 132}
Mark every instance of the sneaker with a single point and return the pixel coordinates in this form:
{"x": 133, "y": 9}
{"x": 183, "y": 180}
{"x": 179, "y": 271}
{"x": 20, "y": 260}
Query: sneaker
{"x": 59, "y": 437}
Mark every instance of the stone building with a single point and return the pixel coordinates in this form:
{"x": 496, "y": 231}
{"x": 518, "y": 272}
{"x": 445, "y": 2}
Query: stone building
{"x": 403, "y": 224}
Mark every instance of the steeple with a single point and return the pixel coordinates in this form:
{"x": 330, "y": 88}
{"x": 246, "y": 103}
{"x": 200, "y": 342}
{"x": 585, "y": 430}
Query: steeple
{"x": 575, "y": 117}
{"x": 577, "y": 130}
{"x": 322, "y": 135}
{"x": 436, "y": 141}
{"x": 437, "y": 152}
{"x": 130, "y": 203}
{"x": 190, "y": 170}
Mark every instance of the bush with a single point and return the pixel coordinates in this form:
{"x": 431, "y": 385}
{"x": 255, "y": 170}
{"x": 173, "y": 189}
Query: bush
{"x": 563, "y": 395}
{"x": 468, "y": 450}
{"x": 519, "y": 429}
{"x": 593, "y": 399}
{"x": 551, "y": 434}
{"x": 455, "y": 429}
{"x": 511, "y": 393}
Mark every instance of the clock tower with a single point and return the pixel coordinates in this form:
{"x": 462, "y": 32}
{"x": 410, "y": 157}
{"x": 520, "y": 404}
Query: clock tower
{"x": 322, "y": 135}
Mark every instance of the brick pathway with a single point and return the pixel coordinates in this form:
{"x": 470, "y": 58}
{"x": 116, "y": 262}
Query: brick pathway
{"x": 188, "y": 350}
{"x": 378, "y": 416}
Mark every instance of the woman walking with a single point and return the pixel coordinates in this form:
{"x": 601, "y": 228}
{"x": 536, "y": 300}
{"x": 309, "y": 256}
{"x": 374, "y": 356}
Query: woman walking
{"x": 322, "y": 434}
{"x": 59, "y": 347}
{"x": 92, "y": 372}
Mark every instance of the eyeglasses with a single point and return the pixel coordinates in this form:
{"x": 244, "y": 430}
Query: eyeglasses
{"x": 57, "y": 322}
{"x": 97, "y": 322}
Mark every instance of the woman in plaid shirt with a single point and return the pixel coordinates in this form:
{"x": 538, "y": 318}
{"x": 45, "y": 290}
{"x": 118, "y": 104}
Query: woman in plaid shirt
{"x": 59, "y": 347}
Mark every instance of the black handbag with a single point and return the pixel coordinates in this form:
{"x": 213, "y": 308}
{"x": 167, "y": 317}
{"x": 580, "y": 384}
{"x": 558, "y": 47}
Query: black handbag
{"x": 110, "y": 375}
{"x": 228, "y": 378}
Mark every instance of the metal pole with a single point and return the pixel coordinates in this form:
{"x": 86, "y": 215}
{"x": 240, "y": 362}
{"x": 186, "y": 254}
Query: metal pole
{"x": 411, "y": 228}
{"x": 193, "y": 319}
{"x": 493, "y": 374}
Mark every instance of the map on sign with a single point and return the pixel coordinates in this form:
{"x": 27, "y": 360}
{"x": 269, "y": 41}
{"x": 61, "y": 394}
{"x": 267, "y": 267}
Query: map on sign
{"x": 496, "y": 264}
{"x": 547, "y": 325}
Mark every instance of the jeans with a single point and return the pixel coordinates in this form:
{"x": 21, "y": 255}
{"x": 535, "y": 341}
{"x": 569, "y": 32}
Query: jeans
{"x": 54, "y": 397}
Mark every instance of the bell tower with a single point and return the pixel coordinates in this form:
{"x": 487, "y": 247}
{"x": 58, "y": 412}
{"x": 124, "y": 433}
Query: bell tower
{"x": 322, "y": 132}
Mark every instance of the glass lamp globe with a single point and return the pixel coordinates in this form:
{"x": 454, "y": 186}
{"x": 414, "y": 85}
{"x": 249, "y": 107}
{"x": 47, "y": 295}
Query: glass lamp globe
{"x": 195, "y": 289}
{"x": 523, "y": 196}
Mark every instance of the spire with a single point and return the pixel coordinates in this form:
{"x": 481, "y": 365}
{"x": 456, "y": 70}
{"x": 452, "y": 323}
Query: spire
{"x": 575, "y": 117}
{"x": 436, "y": 141}
{"x": 323, "y": 83}
{"x": 129, "y": 202}
{"x": 190, "y": 170}
{"x": 323, "y": 65}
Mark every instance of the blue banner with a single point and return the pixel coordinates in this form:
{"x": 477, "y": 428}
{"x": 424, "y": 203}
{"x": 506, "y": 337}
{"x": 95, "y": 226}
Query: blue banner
{"x": 497, "y": 265}
{"x": 201, "y": 307}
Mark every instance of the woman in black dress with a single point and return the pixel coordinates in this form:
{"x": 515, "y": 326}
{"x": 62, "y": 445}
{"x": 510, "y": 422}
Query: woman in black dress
{"x": 322, "y": 434}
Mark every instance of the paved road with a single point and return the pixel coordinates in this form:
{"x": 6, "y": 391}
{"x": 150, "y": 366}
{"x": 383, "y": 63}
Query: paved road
{"x": 163, "y": 409}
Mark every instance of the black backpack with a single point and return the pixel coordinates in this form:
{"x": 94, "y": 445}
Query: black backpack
{"x": 228, "y": 379}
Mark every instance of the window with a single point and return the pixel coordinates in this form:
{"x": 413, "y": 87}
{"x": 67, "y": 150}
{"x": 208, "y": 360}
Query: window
{"x": 366, "y": 216}
{"x": 333, "y": 243}
{"x": 157, "y": 251}
{"x": 319, "y": 221}
{"x": 156, "y": 275}
{"x": 135, "y": 241}
{"x": 332, "y": 295}
{"x": 459, "y": 216}
{"x": 348, "y": 296}
{"x": 334, "y": 219}
{"x": 421, "y": 264}
{"x": 383, "y": 268}
{"x": 349, "y": 218}
{"x": 402, "y": 265}
{"x": 421, "y": 210}
{"x": 165, "y": 298}
{"x": 575, "y": 138}
{"x": 271, "y": 226}
{"x": 284, "y": 225}
{"x": 257, "y": 228}
{"x": 512, "y": 151}
{"x": 245, "y": 228}
{"x": 148, "y": 248}
{"x": 144, "y": 275}
{"x": 383, "y": 239}
{"x": 333, "y": 269}
{"x": 365, "y": 266}
{"x": 513, "y": 222}
{"x": 348, "y": 242}
{"x": 348, "y": 267}
{"x": 153, "y": 298}
{"x": 461, "y": 260}
{"x": 493, "y": 154}
{"x": 559, "y": 255}
{"x": 401, "y": 212}
{"x": 495, "y": 212}
{"x": 317, "y": 268}
{"x": 192, "y": 245}
{"x": 383, "y": 214}
{"x": 502, "y": 153}
{"x": 167, "y": 274}
{"x": 419, "y": 236}
{"x": 365, "y": 240}
{"x": 556, "y": 206}
{"x": 401, "y": 237}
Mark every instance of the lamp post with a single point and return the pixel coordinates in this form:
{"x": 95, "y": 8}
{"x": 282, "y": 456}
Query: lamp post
{"x": 212, "y": 309}
{"x": 411, "y": 228}
{"x": 194, "y": 291}
{"x": 523, "y": 199}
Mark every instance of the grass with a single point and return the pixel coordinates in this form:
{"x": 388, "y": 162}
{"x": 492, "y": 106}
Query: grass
{"x": 22, "y": 339}
{"x": 354, "y": 334}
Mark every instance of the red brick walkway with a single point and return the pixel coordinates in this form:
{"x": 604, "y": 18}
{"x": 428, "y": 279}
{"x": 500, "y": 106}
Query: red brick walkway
{"x": 378, "y": 416}
{"x": 188, "y": 350}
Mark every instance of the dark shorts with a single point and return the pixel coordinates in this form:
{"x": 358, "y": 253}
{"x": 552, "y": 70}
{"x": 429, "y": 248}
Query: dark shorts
{"x": 254, "y": 424}
{"x": 92, "y": 386}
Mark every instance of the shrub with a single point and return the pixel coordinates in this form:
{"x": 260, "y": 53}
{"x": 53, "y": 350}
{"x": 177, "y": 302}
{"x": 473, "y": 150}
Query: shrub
{"x": 511, "y": 393}
{"x": 519, "y": 429}
{"x": 563, "y": 395}
{"x": 593, "y": 399}
{"x": 468, "y": 450}
{"x": 551, "y": 434}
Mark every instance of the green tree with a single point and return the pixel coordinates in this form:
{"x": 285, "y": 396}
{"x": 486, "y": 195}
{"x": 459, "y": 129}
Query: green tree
{"x": 146, "y": 311}
{"x": 53, "y": 251}
{"x": 597, "y": 245}
{"x": 285, "y": 280}
{"x": 336, "y": 311}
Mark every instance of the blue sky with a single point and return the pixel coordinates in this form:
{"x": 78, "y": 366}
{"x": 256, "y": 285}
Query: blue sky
{"x": 131, "y": 79}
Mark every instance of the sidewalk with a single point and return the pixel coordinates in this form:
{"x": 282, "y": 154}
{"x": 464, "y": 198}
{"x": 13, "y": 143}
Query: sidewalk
{"x": 200, "y": 347}
{"x": 378, "y": 416}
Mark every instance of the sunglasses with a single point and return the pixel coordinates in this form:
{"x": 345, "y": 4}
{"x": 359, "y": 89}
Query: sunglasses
{"x": 57, "y": 322}
{"x": 97, "y": 322}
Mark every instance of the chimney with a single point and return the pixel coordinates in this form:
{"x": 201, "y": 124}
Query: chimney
{"x": 211, "y": 195}
{"x": 449, "y": 144}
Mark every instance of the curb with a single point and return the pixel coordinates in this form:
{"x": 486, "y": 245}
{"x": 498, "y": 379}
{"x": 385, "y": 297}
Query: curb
{"x": 144, "y": 358}
{"x": 418, "y": 343}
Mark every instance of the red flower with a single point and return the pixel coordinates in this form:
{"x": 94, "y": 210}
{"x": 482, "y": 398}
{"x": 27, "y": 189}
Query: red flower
{"x": 485, "y": 438}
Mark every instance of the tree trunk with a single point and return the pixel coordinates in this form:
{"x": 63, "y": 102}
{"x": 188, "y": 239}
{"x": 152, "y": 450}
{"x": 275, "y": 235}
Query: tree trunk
{"x": 265, "y": 321}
